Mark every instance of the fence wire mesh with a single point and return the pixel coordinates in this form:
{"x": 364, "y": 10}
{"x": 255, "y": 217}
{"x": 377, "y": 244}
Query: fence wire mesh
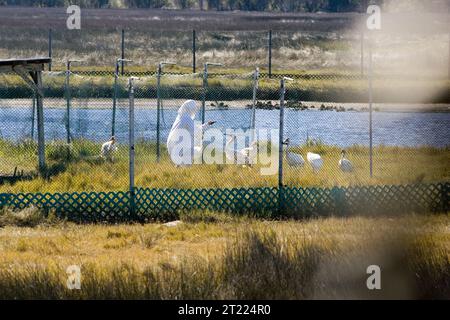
{"x": 83, "y": 112}
{"x": 327, "y": 111}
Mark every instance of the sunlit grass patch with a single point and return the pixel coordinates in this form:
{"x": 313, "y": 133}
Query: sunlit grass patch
{"x": 242, "y": 259}
{"x": 78, "y": 167}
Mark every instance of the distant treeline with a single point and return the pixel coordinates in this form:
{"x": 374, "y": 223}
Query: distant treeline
{"x": 221, "y": 5}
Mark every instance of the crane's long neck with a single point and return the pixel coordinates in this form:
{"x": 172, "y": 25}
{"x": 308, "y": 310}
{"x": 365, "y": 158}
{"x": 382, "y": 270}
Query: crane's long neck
{"x": 287, "y": 147}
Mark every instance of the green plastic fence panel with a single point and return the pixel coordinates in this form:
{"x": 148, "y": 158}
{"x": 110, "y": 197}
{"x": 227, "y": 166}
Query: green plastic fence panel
{"x": 92, "y": 206}
{"x": 163, "y": 204}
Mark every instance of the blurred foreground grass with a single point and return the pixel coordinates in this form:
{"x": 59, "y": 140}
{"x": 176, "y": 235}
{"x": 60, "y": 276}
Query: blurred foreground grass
{"x": 216, "y": 256}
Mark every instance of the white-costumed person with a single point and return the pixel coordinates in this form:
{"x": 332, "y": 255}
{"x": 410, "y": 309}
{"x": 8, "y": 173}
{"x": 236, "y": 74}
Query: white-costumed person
{"x": 181, "y": 140}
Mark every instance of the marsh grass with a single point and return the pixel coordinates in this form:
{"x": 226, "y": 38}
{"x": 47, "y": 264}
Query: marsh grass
{"x": 324, "y": 85}
{"x": 246, "y": 259}
{"x": 78, "y": 167}
{"x": 28, "y": 217}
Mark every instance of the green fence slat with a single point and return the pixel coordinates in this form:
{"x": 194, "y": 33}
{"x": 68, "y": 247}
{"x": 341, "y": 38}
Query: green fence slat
{"x": 163, "y": 204}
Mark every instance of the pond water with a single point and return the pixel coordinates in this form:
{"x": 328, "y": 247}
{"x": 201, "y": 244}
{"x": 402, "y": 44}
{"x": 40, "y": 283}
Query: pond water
{"x": 336, "y": 128}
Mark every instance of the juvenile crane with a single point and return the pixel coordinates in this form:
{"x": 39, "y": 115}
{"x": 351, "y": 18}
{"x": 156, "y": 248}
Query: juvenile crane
{"x": 315, "y": 161}
{"x": 293, "y": 159}
{"x": 344, "y": 163}
{"x": 244, "y": 156}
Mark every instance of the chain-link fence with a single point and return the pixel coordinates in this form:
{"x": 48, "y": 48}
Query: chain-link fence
{"x": 326, "y": 141}
{"x": 343, "y": 125}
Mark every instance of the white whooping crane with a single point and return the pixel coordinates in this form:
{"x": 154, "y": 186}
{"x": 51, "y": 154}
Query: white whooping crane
{"x": 293, "y": 159}
{"x": 315, "y": 161}
{"x": 344, "y": 163}
{"x": 108, "y": 149}
{"x": 244, "y": 156}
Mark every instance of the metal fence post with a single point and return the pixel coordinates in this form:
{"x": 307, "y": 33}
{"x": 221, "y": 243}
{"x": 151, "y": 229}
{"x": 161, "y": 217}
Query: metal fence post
{"x": 281, "y": 134}
{"x": 123, "y": 52}
{"x": 68, "y": 101}
{"x": 50, "y": 48}
{"x": 131, "y": 145}
{"x": 205, "y": 87}
{"x": 193, "y": 51}
{"x": 204, "y": 93}
{"x": 158, "y": 112}
{"x": 270, "y": 53}
{"x": 159, "y": 108}
{"x": 255, "y": 90}
{"x": 68, "y": 98}
{"x": 280, "y": 145}
{"x": 280, "y": 148}
{"x": 370, "y": 109}
{"x": 115, "y": 89}
{"x": 116, "y": 76}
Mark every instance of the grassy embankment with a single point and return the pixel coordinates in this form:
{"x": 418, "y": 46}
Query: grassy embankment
{"x": 84, "y": 171}
{"x": 314, "y": 87}
{"x": 215, "y": 256}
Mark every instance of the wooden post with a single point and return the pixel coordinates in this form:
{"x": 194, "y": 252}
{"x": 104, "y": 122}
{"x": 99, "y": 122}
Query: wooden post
{"x": 37, "y": 77}
{"x": 193, "y": 51}
{"x": 270, "y": 53}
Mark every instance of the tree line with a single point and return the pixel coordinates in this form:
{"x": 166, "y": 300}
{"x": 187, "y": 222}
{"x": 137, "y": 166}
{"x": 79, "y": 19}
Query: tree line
{"x": 220, "y": 5}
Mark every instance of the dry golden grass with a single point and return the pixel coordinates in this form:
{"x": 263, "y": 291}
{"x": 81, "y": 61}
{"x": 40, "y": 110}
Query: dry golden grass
{"x": 212, "y": 255}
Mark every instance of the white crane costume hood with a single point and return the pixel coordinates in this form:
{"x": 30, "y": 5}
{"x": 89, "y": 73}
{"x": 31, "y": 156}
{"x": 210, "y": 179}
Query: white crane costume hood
{"x": 180, "y": 142}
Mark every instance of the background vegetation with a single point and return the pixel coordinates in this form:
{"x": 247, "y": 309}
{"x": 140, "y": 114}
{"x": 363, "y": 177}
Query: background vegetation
{"x": 247, "y": 5}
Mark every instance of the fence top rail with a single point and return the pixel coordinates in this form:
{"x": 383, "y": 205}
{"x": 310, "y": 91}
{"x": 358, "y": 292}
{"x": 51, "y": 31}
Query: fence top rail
{"x": 142, "y": 189}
